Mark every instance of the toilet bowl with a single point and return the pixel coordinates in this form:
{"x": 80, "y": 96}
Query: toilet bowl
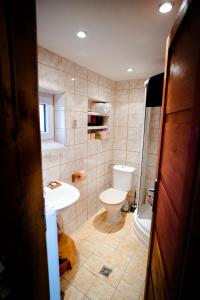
{"x": 114, "y": 198}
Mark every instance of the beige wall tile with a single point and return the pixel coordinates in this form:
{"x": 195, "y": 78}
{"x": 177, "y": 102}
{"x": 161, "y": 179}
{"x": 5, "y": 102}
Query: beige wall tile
{"x": 80, "y": 136}
{"x": 50, "y": 158}
{"x": 79, "y": 103}
{"x": 80, "y": 86}
{"x": 93, "y": 77}
{"x": 119, "y": 144}
{"x": 120, "y": 133}
{"x": 68, "y": 154}
{"x": 51, "y": 174}
{"x": 80, "y": 72}
{"x": 137, "y": 95}
{"x": 133, "y": 157}
{"x": 136, "y": 108}
{"x": 59, "y": 119}
{"x": 93, "y": 90}
{"x": 80, "y": 151}
{"x": 135, "y": 133}
{"x": 136, "y": 120}
{"x": 122, "y": 85}
{"x": 119, "y": 155}
{"x": 67, "y": 66}
{"x": 102, "y": 92}
{"x": 81, "y": 164}
{"x": 120, "y": 120}
{"x": 134, "y": 145}
{"x": 137, "y": 83}
{"x": 69, "y": 137}
{"x": 121, "y": 108}
{"x": 67, "y": 170}
{"x": 122, "y": 96}
{"x": 48, "y": 58}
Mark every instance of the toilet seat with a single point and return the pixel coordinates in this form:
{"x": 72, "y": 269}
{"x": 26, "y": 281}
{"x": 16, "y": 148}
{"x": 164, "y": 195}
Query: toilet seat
{"x": 113, "y": 196}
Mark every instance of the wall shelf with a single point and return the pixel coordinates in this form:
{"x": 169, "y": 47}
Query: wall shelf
{"x": 93, "y": 113}
{"x": 95, "y": 132}
{"x": 97, "y": 127}
{"x": 97, "y": 100}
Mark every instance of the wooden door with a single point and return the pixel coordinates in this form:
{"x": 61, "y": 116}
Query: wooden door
{"x": 22, "y": 223}
{"x": 176, "y": 208}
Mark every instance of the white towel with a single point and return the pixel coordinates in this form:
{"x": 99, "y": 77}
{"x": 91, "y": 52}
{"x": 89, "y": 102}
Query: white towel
{"x": 102, "y": 108}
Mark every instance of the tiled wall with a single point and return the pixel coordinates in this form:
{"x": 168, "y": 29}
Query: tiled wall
{"x": 95, "y": 156}
{"x": 128, "y": 126}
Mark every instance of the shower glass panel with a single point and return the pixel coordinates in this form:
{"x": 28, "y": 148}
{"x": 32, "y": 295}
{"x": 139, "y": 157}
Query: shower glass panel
{"x": 149, "y": 157}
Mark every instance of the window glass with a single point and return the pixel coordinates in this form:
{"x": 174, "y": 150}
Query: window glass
{"x": 42, "y": 117}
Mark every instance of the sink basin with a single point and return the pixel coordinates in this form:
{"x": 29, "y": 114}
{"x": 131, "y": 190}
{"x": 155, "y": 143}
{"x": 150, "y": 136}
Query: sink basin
{"x": 61, "y": 197}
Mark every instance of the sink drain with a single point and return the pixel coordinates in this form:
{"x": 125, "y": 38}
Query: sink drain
{"x": 105, "y": 271}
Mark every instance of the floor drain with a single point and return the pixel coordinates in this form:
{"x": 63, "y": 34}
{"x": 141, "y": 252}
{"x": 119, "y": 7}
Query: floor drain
{"x": 105, "y": 271}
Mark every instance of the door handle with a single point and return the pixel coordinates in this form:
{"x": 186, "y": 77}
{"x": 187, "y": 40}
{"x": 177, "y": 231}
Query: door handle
{"x": 155, "y": 191}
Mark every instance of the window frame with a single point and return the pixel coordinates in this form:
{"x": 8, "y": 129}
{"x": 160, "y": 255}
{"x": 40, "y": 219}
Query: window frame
{"x": 47, "y": 100}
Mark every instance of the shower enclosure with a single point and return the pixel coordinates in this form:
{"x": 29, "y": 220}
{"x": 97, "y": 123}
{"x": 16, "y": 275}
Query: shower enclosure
{"x": 149, "y": 159}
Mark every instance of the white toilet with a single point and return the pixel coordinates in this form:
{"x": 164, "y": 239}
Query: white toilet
{"x": 114, "y": 198}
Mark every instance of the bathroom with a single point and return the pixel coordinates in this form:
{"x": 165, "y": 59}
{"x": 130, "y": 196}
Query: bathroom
{"x": 99, "y": 149}
{"x": 71, "y": 91}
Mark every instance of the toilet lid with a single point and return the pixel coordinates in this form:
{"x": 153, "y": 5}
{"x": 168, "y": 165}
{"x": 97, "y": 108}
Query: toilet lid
{"x": 113, "y": 196}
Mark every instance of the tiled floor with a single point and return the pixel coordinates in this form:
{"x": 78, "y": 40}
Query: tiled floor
{"x": 115, "y": 246}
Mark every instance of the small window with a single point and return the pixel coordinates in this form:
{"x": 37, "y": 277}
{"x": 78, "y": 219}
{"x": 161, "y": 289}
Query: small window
{"x": 46, "y": 111}
{"x": 43, "y": 118}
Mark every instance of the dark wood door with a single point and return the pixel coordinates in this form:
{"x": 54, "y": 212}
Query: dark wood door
{"x": 22, "y": 223}
{"x": 176, "y": 203}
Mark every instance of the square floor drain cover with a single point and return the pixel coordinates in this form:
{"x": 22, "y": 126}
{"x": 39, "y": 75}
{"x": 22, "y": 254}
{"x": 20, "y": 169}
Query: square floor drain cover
{"x": 105, "y": 271}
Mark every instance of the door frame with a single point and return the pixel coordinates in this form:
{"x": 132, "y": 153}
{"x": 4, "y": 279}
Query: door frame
{"x": 22, "y": 220}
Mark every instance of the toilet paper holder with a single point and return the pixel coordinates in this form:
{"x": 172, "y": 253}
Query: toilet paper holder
{"x": 78, "y": 176}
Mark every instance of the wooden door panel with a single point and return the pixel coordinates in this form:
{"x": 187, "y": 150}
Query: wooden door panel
{"x": 158, "y": 277}
{"x": 178, "y": 162}
{"x": 178, "y": 159}
{"x": 168, "y": 230}
{"x": 183, "y": 68}
{"x": 150, "y": 290}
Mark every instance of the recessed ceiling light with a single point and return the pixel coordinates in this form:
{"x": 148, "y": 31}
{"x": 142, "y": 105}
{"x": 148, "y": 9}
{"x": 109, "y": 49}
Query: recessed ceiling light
{"x": 130, "y": 69}
{"x": 165, "y": 7}
{"x": 73, "y": 79}
{"x": 81, "y": 34}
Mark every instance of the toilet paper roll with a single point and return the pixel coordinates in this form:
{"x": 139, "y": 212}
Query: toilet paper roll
{"x": 79, "y": 176}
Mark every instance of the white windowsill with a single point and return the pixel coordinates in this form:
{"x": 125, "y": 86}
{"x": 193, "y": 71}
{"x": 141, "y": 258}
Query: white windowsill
{"x": 52, "y": 146}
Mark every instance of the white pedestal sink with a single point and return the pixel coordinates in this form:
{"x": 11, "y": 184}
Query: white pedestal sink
{"x": 61, "y": 197}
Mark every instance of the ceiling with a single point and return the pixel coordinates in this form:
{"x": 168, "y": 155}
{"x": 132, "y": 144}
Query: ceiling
{"x": 121, "y": 34}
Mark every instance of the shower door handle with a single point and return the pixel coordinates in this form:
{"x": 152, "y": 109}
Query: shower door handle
{"x": 155, "y": 191}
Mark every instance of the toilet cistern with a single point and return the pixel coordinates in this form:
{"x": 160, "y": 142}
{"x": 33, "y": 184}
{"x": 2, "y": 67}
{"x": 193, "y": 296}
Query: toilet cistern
{"x": 114, "y": 198}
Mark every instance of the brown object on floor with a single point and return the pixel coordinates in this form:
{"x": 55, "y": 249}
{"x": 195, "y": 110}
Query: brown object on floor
{"x": 54, "y": 184}
{"x": 67, "y": 252}
{"x": 64, "y": 265}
